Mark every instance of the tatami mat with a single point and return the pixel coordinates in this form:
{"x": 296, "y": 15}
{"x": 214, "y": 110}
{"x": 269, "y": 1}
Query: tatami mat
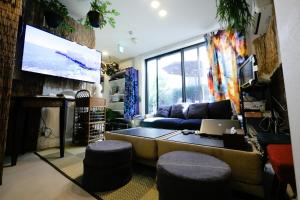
{"x": 141, "y": 187}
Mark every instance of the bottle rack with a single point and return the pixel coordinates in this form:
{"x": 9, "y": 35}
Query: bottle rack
{"x": 89, "y": 118}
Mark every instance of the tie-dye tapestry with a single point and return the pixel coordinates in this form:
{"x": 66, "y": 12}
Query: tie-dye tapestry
{"x": 131, "y": 100}
{"x": 226, "y": 51}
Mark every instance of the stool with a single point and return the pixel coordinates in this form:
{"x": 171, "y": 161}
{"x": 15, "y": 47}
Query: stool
{"x": 190, "y": 175}
{"x": 281, "y": 159}
{"x": 107, "y": 165}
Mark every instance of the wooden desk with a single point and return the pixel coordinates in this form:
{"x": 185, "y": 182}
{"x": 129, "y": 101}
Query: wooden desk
{"x": 38, "y": 102}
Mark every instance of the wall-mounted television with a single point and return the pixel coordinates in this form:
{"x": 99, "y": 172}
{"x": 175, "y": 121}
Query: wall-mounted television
{"x": 48, "y": 54}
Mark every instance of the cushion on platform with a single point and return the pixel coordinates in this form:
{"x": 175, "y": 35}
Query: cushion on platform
{"x": 177, "y": 111}
{"x": 163, "y": 111}
{"x": 197, "y": 111}
{"x": 192, "y": 124}
{"x": 165, "y": 123}
{"x": 220, "y": 110}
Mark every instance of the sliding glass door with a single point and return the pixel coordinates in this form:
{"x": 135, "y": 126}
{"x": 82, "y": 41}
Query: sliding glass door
{"x": 169, "y": 79}
{"x": 151, "y": 85}
{"x": 175, "y": 77}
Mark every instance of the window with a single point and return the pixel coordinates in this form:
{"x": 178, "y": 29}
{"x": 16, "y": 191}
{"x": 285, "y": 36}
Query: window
{"x": 169, "y": 79}
{"x": 152, "y": 85}
{"x": 175, "y": 77}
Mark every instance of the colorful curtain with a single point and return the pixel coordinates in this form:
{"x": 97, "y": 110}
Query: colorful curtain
{"x": 131, "y": 99}
{"x": 226, "y": 51}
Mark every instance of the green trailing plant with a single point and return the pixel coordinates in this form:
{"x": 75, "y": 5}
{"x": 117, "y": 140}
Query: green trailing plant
{"x": 234, "y": 14}
{"x": 61, "y": 11}
{"x": 55, "y": 6}
{"x": 66, "y": 27}
{"x": 106, "y": 15}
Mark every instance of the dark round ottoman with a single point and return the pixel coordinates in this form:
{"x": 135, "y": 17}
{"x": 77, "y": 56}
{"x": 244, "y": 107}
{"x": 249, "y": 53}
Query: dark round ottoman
{"x": 107, "y": 165}
{"x": 189, "y": 175}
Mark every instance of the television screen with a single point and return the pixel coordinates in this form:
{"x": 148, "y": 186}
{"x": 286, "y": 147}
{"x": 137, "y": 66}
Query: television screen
{"x": 46, "y": 53}
{"x": 247, "y": 74}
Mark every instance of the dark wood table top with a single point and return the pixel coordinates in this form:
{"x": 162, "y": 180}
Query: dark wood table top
{"x": 197, "y": 139}
{"x": 41, "y": 101}
{"x": 144, "y": 132}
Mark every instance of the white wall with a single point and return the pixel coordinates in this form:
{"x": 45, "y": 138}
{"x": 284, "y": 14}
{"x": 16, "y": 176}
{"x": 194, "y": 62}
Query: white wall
{"x": 126, "y": 64}
{"x": 288, "y": 26}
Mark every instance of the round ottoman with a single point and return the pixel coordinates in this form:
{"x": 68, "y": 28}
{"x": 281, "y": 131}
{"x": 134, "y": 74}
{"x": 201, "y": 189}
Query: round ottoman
{"x": 107, "y": 165}
{"x": 190, "y": 175}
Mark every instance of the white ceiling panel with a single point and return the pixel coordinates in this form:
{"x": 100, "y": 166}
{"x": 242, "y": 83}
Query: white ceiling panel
{"x": 185, "y": 19}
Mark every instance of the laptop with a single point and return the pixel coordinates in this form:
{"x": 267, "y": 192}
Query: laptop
{"x": 216, "y": 127}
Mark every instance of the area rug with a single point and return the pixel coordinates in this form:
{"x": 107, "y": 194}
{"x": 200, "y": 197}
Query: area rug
{"x": 141, "y": 187}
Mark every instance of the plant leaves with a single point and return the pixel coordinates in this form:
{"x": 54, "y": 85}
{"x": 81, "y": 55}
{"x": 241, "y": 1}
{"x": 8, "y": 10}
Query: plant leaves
{"x": 234, "y": 14}
{"x": 102, "y": 7}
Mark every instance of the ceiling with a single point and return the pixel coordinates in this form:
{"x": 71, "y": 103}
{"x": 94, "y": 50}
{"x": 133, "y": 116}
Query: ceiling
{"x": 185, "y": 19}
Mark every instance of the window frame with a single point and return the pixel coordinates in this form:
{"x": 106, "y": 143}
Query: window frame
{"x": 156, "y": 58}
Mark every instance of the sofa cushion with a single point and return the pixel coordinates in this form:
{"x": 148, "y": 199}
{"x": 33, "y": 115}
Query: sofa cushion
{"x": 177, "y": 111}
{"x": 220, "y": 110}
{"x": 159, "y": 122}
{"x": 197, "y": 111}
{"x": 163, "y": 111}
{"x": 192, "y": 124}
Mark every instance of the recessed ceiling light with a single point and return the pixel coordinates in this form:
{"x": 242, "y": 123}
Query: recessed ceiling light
{"x": 155, "y": 4}
{"x": 162, "y": 13}
{"x": 104, "y": 53}
{"x": 121, "y": 49}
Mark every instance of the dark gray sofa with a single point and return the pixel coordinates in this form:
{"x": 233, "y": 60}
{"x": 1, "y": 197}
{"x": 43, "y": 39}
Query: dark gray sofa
{"x": 184, "y": 116}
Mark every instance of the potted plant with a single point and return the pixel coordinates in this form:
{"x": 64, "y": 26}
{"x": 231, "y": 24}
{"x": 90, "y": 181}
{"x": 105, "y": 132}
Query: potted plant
{"x": 99, "y": 14}
{"x": 110, "y": 68}
{"x": 55, "y": 14}
{"x": 234, "y": 14}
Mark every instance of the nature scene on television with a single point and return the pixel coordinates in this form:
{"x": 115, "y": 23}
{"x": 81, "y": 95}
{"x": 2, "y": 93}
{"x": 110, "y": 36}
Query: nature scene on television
{"x": 48, "y": 54}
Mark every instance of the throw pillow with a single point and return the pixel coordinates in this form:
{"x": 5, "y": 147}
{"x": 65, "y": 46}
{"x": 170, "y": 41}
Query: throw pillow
{"x": 220, "y": 110}
{"x": 198, "y": 111}
{"x": 177, "y": 111}
{"x": 163, "y": 111}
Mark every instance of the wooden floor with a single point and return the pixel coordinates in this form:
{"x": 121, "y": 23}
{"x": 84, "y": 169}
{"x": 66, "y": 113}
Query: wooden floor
{"x": 34, "y": 179}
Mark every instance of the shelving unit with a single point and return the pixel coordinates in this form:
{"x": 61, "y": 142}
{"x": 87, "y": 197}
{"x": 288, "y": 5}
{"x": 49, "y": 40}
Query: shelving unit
{"x": 254, "y": 115}
{"x": 89, "y": 118}
{"x": 116, "y": 92}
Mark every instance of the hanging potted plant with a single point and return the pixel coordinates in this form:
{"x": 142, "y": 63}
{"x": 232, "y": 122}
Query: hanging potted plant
{"x": 234, "y": 14}
{"x": 99, "y": 14}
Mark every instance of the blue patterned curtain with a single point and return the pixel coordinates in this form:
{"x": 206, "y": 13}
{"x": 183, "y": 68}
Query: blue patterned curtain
{"x": 131, "y": 100}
